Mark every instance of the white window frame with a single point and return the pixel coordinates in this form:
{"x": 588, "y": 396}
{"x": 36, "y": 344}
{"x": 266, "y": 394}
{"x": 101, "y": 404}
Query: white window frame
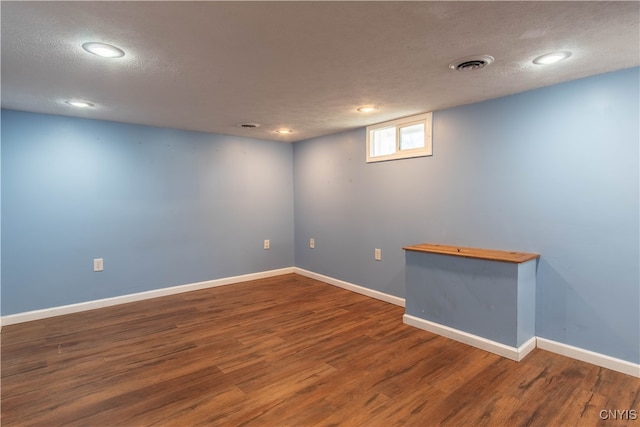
{"x": 427, "y": 150}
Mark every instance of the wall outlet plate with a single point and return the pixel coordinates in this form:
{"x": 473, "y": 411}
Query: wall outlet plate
{"x": 267, "y": 244}
{"x": 377, "y": 254}
{"x": 98, "y": 264}
{"x": 312, "y": 243}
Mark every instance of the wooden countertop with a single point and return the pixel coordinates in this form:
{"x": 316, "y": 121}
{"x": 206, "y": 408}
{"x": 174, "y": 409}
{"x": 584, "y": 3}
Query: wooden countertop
{"x": 488, "y": 254}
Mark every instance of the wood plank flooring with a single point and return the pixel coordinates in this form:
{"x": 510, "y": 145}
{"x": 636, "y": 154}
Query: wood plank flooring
{"x": 284, "y": 351}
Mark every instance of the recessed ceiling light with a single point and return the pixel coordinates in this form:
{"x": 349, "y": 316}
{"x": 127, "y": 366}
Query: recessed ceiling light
{"x": 79, "y": 104}
{"x": 551, "y": 58}
{"x": 367, "y": 108}
{"x": 284, "y": 131}
{"x": 471, "y": 63}
{"x": 104, "y": 50}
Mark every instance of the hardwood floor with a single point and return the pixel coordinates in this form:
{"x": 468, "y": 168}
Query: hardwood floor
{"x": 284, "y": 351}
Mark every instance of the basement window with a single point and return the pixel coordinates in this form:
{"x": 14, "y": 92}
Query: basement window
{"x": 400, "y": 139}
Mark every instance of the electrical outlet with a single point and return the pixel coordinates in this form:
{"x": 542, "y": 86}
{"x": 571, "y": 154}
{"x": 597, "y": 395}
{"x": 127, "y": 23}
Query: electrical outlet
{"x": 377, "y": 254}
{"x": 312, "y": 243}
{"x": 267, "y": 244}
{"x": 98, "y": 264}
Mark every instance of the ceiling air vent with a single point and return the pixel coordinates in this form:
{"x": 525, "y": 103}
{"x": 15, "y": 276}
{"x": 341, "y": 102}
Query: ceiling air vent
{"x": 471, "y": 63}
{"x": 248, "y": 125}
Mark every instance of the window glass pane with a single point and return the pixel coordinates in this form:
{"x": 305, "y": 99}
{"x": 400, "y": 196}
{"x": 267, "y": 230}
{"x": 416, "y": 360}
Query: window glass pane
{"x": 399, "y": 139}
{"x": 383, "y": 142}
{"x": 412, "y": 136}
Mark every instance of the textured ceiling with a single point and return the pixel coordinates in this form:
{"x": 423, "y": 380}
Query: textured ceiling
{"x": 206, "y": 66}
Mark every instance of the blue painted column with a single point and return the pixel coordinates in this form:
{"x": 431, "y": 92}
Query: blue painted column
{"x": 491, "y": 299}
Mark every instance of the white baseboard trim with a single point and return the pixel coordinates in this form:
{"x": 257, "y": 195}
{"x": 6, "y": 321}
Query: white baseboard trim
{"x": 588, "y": 356}
{"x": 513, "y": 353}
{"x": 351, "y": 287}
{"x": 123, "y": 299}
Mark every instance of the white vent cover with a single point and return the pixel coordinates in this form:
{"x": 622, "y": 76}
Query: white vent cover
{"x": 248, "y": 125}
{"x": 471, "y": 63}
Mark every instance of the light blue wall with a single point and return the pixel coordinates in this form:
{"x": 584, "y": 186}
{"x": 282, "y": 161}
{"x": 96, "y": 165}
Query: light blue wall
{"x": 162, "y": 207}
{"x": 553, "y": 171}
{"x": 0, "y": 217}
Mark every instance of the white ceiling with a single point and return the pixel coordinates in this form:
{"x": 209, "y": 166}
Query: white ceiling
{"x": 206, "y": 66}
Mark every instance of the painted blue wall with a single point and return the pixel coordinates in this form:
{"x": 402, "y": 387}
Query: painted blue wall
{"x": 553, "y": 171}
{"x": 162, "y": 207}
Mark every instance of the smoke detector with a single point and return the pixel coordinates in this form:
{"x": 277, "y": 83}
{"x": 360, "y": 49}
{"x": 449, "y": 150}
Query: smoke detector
{"x": 471, "y": 63}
